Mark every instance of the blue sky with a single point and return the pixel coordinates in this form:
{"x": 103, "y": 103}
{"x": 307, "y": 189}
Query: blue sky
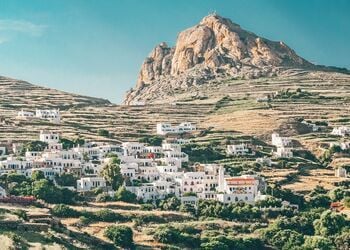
{"x": 96, "y": 47}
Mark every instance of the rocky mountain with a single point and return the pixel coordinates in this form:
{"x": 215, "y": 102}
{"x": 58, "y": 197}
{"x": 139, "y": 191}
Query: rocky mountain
{"x": 216, "y": 48}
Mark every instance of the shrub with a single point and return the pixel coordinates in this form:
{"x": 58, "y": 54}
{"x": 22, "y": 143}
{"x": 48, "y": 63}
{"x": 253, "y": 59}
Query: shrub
{"x": 146, "y": 207}
{"x": 64, "y": 211}
{"x": 124, "y": 195}
{"x": 103, "y": 197}
{"x": 214, "y": 245}
{"x": 122, "y": 236}
{"x": 103, "y": 132}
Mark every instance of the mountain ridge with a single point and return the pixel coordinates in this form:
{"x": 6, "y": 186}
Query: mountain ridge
{"x": 214, "y": 48}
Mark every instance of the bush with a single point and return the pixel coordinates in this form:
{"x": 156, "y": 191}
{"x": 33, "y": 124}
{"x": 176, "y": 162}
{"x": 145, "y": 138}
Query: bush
{"x": 124, "y": 195}
{"x": 122, "y": 236}
{"x": 108, "y": 215}
{"x": 64, "y": 211}
{"x": 103, "y": 197}
{"x": 103, "y": 132}
{"x": 214, "y": 245}
{"x": 146, "y": 207}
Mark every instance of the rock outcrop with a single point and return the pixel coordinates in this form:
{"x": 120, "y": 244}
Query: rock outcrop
{"x": 215, "y": 47}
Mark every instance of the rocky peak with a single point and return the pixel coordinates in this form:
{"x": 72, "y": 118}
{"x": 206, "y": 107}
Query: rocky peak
{"x": 215, "y": 45}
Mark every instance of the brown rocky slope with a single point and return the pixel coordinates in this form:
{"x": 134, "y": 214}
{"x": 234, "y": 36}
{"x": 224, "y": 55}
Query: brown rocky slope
{"x": 216, "y": 48}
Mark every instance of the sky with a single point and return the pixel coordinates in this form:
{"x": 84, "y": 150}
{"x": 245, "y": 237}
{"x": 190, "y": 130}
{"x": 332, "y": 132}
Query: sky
{"x": 96, "y": 47}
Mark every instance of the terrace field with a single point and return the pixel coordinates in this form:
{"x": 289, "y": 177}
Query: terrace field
{"x": 221, "y": 109}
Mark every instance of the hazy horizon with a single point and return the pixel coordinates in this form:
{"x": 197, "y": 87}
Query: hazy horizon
{"x": 96, "y": 48}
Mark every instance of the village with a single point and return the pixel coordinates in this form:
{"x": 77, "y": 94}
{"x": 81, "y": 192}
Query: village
{"x": 151, "y": 172}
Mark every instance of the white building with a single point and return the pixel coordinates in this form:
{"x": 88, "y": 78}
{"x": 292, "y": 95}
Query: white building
{"x": 237, "y": 149}
{"x": 341, "y": 131}
{"x": 283, "y": 152}
{"x": 89, "y": 183}
{"x": 52, "y": 115}
{"x": 2, "y": 151}
{"x": 49, "y": 137}
{"x": 238, "y": 189}
{"x": 345, "y": 145}
{"x": 165, "y": 128}
{"x": 340, "y": 172}
{"x": 25, "y": 114}
{"x": 279, "y": 141}
{"x": 2, "y": 192}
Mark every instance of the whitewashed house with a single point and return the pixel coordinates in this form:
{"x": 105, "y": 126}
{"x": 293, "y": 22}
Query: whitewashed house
{"x": 345, "y": 145}
{"x": 283, "y": 152}
{"x": 88, "y": 183}
{"x": 341, "y": 131}
{"x": 49, "y": 137}
{"x": 237, "y": 149}
{"x": 237, "y": 189}
{"x": 3, "y": 151}
{"x": 279, "y": 141}
{"x": 25, "y": 114}
{"x": 52, "y": 115}
{"x": 145, "y": 192}
{"x": 340, "y": 172}
{"x": 2, "y": 192}
{"x": 166, "y": 128}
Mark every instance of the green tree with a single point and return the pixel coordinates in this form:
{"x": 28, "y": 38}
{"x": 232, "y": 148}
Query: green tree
{"x": 122, "y": 236}
{"x": 214, "y": 245}
{"x": 329, "y": 224}
{"x": 124, "y": 195}
{"x": 347, "y": 202}
{"x": 111, "y": 172}
{"x": 317, "y": 242}
{"x": 337, "y": 194}
{"x": 103, "y": 132}
{"x": 171, "y": 203}
{"x": 285, "y": 239}
{"x": 35, "y": 146}
{"x": 38, "y": 175}
{"x": 342, "y": 241}
{"x": 66, "y": 143}
{"x": 320, "y": 200}
{"x": 66, "y": 179}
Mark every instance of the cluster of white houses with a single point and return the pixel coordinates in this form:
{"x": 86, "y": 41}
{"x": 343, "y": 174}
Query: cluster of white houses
{"x": 151, "y": 172}
{"x": 52, "y": 115}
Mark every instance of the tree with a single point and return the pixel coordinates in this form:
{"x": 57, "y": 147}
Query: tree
{"x": 35, "y": 146}
{"x": 64, "y": 211}
{"x": 347, "y": 202}
{"x": 103, "y": 132}
{"x": 167, "y": 235}
{"x": 320, "y": 200}
{"x": 329, "y": 224}
{"x": 38, "y": 175}
{"x": 285, "y": 239}
{"x": 152, "y": 140}
{"x": 66, "y": 179}
{"x": 343, "y": 241}
{"x": 317, "y": 242}
{"x": 171, "y": 203}
{"x": 124, "y": 195}
{"x": 111, "y": 172}
{"x": 66, "y": 143}
{"x": 214, "y": 245}
{"x": 337, "y": 194}
{"x": 122, "y": 236}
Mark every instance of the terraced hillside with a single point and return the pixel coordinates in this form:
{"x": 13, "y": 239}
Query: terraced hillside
{"x": 227, "y": 105}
